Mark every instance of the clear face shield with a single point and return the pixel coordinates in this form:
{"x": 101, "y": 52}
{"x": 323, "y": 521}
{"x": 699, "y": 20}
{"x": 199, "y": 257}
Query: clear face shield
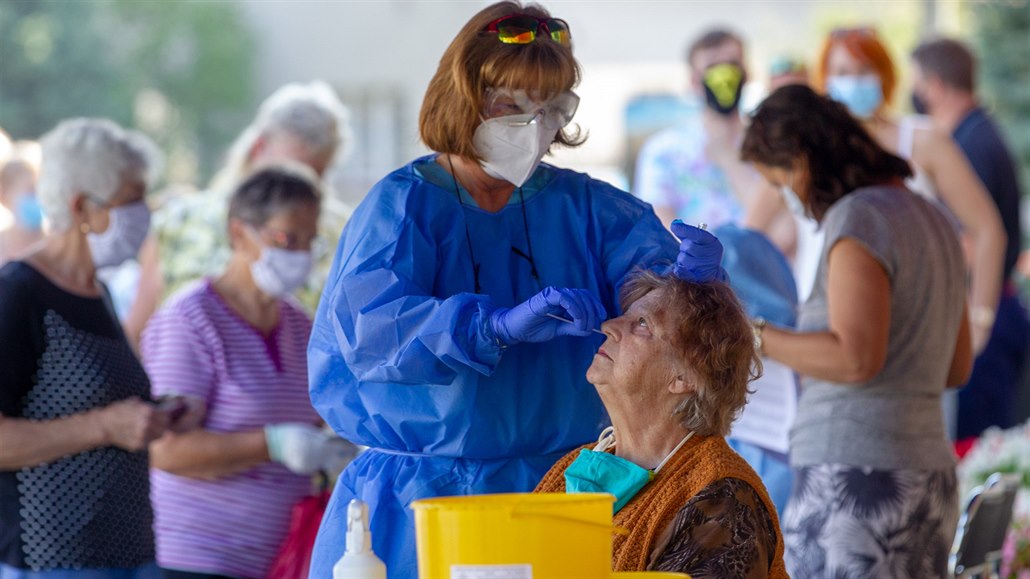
{"x": 521, "y": 109}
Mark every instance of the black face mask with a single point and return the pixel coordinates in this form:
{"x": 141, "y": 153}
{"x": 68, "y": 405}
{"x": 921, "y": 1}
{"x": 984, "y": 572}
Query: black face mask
{"x": 919, "y": 105}
{"x": 724, "y": 83}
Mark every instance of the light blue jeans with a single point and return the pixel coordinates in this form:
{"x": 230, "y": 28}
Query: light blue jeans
{"x": 772, "y": 468}
{"x": 150, "y": 571}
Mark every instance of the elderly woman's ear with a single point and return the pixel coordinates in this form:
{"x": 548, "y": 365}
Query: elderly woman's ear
{"x": 235, "y": 228}
{"x": 255, "y": 150}
{"x": 683, "y": 383}
{"x": 77, "y": 207}
{"x": 82, "y": 217}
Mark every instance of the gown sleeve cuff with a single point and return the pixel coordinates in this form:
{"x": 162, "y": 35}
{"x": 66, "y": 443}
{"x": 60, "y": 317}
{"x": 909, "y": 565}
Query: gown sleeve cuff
{"x": 488, "y": 344}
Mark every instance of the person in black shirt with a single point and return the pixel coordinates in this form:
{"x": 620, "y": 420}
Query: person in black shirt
{"x": 75, "y": 409}
{"x": 944, "y": 74}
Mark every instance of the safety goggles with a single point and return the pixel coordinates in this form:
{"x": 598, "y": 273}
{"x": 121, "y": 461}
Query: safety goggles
{"x": 525, "y": 29}
{"x": 553, "y": 113}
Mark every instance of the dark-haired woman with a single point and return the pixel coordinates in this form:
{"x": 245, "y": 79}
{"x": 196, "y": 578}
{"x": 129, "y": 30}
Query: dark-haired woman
{"x": 223, "y": 493}
{"x": 881, "y": 337}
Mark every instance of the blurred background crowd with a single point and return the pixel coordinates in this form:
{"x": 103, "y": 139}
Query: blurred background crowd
{"x": 331, "y": 91}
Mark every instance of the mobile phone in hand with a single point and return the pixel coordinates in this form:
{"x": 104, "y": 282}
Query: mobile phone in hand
{"x": 175, "y": 406}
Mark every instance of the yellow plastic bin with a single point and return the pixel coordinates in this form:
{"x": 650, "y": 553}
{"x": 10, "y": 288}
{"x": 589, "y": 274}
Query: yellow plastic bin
{"x": 531, "y": 536}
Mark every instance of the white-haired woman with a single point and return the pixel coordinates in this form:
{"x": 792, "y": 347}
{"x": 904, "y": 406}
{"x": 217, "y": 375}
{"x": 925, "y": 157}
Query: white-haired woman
{"x": 75, "y": 409}
{"x": 299, "y": 123}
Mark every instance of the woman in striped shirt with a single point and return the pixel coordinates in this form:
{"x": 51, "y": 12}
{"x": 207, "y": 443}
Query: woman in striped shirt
{"x": 223, "y": 493}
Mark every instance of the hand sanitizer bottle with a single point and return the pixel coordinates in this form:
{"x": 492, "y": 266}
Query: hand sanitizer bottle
{"x": 359, "y": 561}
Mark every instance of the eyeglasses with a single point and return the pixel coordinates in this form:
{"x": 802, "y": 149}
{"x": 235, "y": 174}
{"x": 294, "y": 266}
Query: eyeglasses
{"x": 554, "y": 113}
{"x": 137, "y": 188}
{"x": 525, "y": 28}
{"x": 280, "y": 239}
{"x": 112, "y": 204}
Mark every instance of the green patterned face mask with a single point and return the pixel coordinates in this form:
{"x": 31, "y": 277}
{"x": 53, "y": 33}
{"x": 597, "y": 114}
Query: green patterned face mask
{"x": 723, "y": 84}
{"x": 598, "y": 471}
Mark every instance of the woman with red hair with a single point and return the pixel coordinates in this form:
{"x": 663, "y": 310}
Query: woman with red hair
{"x": 855, "y": 68}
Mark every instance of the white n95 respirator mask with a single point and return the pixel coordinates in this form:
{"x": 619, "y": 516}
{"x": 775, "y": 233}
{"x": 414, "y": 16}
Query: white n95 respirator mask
{"x": 512, "y": 146}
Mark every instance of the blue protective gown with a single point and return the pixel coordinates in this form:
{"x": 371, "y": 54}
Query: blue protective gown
{"x": 759, "y": 274}
{"x": 399, "y": 360}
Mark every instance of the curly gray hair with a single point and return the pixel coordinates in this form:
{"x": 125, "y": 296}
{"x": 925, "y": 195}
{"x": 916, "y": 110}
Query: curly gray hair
{"x": 713, "y": 338}
{"x": 311, "y": 113}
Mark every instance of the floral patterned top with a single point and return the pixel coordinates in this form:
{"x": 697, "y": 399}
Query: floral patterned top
{"x": 673, "y": 171}
{"x": 723, "y": 532}
{"x": 192, "y": 236}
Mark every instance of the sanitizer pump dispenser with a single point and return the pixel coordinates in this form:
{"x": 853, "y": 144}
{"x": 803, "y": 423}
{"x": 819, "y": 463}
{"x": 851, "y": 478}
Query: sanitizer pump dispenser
{"x": 359, "y": 561}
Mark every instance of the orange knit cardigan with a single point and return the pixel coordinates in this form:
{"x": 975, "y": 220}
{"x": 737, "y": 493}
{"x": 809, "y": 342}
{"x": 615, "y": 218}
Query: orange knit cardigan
{"x": 702, "y": 461}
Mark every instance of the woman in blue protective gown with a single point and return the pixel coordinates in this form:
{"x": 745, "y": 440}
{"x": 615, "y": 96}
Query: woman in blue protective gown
{"x": 433, "y": 343}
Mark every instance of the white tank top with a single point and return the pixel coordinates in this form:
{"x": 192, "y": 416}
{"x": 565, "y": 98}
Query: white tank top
{"x": 919, "y": 182}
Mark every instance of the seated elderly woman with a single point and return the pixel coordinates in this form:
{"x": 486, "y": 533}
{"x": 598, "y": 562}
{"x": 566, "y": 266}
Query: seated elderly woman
{"x": 673, "y": 374}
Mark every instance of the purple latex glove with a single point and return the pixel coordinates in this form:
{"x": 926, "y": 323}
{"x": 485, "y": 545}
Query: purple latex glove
{"x": 529, "y": 321}
{"x": 700, "y": 255}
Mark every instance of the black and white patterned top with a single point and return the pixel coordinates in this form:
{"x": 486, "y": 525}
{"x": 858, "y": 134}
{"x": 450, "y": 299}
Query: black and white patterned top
{"x": 62, "y": 354}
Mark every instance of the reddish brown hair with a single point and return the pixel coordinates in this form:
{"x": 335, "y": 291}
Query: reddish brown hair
{"x": 713, "y": 337}
{"x": 863, "y": 44}
{"x": 476, "y": 61}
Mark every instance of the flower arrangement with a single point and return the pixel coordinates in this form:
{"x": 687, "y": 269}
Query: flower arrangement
{"x": 1008, "y": 452}
{"x": 1015, "y": 557}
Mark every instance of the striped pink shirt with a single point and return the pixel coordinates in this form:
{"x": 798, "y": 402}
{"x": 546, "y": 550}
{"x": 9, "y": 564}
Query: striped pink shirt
{"x": 197, "y": 346}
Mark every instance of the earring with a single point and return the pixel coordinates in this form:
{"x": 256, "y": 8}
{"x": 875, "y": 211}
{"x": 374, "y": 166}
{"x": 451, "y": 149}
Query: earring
{"x": 84, "y": 227}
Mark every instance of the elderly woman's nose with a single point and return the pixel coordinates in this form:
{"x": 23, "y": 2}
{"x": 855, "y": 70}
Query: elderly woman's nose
{"x": 609, "y": 327}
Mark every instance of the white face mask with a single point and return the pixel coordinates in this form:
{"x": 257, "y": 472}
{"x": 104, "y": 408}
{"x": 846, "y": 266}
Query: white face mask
{"x": 512, "y": 146}
{"x": 792, "y": 200}
{"x": 277, "y": 272}
{"x": 126, "y": 230}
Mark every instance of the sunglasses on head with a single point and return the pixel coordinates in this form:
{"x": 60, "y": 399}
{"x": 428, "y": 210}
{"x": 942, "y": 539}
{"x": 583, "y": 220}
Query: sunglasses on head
{"x": 525, "y": 29}
{"x": 854, "y": 31}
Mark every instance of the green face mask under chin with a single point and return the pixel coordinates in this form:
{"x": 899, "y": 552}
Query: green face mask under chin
{"x": 597, "y": 471}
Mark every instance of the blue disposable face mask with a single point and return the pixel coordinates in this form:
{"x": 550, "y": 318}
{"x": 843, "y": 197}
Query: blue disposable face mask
{"x": 598, "y": 471}
{"x": 863, "y": 94}
{"x": 28, "y": 213}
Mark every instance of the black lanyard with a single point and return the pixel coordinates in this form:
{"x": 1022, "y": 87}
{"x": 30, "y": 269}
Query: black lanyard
{"x": 515, "y": 250}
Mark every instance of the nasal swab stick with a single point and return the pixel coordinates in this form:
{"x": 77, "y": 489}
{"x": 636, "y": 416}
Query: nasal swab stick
{"x": 561, "y": 319}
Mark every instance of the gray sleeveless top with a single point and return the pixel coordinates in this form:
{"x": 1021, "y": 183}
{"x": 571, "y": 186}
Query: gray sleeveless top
{"x": 893, "y": 421}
